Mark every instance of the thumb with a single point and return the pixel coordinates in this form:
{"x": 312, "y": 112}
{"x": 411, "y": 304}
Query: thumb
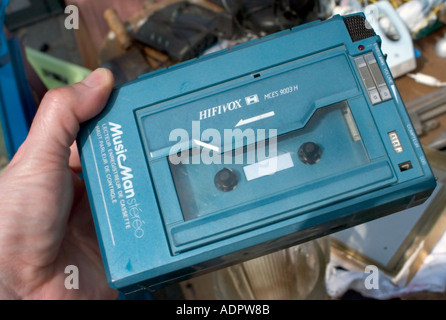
{"x": 57, "y": 121}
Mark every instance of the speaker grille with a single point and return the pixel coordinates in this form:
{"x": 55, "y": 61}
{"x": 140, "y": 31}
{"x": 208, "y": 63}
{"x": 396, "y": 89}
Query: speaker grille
{"x": 358, "y": 28}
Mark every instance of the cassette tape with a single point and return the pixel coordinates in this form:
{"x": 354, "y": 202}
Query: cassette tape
{"x": 249, "y": 150}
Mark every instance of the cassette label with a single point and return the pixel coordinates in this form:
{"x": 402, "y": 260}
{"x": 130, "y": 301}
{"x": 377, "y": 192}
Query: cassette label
{"x": 200, "y": 166}
{"x": 268, "y": 166}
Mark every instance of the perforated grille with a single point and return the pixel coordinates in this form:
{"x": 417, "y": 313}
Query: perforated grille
{"x": 358, "y": 28}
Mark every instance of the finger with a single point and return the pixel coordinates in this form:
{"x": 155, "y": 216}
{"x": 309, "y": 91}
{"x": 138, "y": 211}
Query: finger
{"x": 56, "y": 123}
{"x": 74, "y": 161}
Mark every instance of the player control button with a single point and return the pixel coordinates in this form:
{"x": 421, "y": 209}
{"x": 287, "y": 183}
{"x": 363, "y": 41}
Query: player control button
{"x": 226, "y": 179}
{"x": 310, "y": 153}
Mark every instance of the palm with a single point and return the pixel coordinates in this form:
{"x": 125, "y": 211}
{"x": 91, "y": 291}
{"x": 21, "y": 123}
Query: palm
{"x": 51, "y": 247}
{"x": 79, "y": 248}
{"x": 45, "y": 221}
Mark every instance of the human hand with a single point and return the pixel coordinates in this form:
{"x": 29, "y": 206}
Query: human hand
{"x": 45, "y": 220}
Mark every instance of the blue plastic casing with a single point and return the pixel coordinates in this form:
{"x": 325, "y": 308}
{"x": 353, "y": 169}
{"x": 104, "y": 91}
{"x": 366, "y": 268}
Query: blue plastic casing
{"x": 17, "y": 105}
{"x": 154, "y": 160}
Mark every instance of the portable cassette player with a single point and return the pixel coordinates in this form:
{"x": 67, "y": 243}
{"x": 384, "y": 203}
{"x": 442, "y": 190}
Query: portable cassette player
{"x": 248, "y": 150}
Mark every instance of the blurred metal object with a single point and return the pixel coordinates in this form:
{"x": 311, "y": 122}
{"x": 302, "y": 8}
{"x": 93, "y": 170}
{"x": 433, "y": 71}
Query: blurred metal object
{"x": 439, "y": 143}
{"x": 424, "y": 110}
{"x": 295, "y": 273}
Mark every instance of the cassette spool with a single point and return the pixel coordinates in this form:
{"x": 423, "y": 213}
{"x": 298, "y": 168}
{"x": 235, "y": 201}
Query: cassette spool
{"x": 245, "y": 151}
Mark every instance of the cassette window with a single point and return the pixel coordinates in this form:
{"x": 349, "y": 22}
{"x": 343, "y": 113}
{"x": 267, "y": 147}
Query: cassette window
{"x": 265, "y": 166}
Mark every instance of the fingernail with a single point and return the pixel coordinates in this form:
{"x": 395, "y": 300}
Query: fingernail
{"x": 96, "y": 78}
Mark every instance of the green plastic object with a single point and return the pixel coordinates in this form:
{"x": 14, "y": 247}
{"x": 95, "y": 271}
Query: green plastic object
{"x": 55, "y": 72}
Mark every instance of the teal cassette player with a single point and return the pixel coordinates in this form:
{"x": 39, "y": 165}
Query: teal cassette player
{"x": 249, "y": 150}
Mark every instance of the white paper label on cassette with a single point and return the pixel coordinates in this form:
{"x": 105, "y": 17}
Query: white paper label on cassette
{"x": 268, "y": 167}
